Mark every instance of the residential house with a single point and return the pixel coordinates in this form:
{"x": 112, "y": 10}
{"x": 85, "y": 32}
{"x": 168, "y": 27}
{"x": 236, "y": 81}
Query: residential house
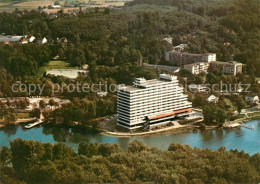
{"x": 42, "y": 41}
{"x": 30, "y": 38}
{"x": 252, "y": 99}
{"x": 212, "y": 98}
{"x": 169, "y": 40}
{"x": 102, "y": 93}
{"x": 62, "y": 40}
{"x": 181, "y": 47}
{"x": 23, "y": 40}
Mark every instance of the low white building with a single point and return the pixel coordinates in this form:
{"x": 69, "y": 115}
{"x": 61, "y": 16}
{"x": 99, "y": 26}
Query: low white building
{"x": 10, "y": 38}
{"x": 252, "y": 99}
{"x": 102, "y": 93}
{"x": 22, "y": 39}
{"x": 197, "y": 68}
{"x": 42, "y": 41}
{"x": 212, "y": 98}
{"x": 169, "y": 40}
{"x": 180, "y": 47}
{"x": 56, "y": 7}
{"x": 30, "y": 39}
{"x": 34, "y": 102}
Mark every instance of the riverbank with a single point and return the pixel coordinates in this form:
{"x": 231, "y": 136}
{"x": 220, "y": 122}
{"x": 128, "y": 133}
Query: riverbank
{"x": 247, "y": 117}
{"x": 237, "y": 138}
{"x": 17, "y": 122}
{"x": 176, "y": 128}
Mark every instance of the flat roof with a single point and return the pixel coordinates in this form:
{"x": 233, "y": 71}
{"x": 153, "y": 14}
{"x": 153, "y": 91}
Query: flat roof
{"x": 195, "y": 64}
{"x": 204, "y": 54}
{"x": 139, "y": 87}
{"x": 228, "y": 62}
{"x": 129, "y": 88}
{"x": 140, "y": 83}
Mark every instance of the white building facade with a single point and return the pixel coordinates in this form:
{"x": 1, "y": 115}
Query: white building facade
{"x": 228, "y": 68}
{"x": 184, "y": 58}
{"x": 197, "y": 68}
{"x": 151, "y": 103}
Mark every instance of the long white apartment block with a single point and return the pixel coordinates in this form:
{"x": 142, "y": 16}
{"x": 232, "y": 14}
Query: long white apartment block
{"x": 151, "y": 102}
{"x": 183, "y": 58}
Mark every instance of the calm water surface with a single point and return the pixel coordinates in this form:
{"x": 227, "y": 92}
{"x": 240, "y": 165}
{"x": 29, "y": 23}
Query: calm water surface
{"x": 240, "y": 138}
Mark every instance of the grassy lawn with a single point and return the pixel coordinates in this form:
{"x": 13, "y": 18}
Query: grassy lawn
{"x": 23, "y": 115}
{"x": 228, "y": 102}
{"x": 54, "y": 65}
{"x": 254, "y": 114}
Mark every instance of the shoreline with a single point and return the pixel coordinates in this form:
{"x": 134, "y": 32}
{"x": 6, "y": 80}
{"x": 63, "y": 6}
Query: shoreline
{"x": 180, "y": 129}
{"x": 17, "y": 122}
{"x": 148, "y": 134}
{"x": 166, "y": 130}
{"x": 246, "y": 119}
{"x": 175, "y": 129}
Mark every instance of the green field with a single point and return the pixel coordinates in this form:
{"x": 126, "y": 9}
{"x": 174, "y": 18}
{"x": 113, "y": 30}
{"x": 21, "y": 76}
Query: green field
{"x": 23, "y": 115}
{"x": 10, "y": 5}
{"x": 228, "y": 102}
{"x": 54, "y": 65}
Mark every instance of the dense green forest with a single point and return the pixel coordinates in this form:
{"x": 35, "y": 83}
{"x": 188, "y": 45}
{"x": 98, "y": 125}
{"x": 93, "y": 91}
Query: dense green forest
{"x": 35, "y": 163}
{"x": 119, "y": 37}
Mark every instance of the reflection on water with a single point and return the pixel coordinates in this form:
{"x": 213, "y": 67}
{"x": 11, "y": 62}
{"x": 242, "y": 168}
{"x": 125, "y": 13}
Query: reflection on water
{"x": 240, "y": 138}
{"x": 75, "y": 135}
{"x": 238, "y": 132}
{"x": 207, "y": 136}
{"x": 10, "y": 130}
{"x": 219, "y": 134}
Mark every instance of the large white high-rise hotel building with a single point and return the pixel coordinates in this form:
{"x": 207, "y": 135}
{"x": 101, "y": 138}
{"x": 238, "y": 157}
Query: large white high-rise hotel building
{"x": 151, "y": 102}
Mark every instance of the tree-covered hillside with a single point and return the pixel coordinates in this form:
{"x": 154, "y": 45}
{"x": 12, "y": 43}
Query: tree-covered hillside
{"x": 117, "y": 37}
{"x": 35, "y": 163}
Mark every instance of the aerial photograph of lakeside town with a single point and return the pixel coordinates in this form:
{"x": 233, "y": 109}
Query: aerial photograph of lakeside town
{"x": 130, "y": 92}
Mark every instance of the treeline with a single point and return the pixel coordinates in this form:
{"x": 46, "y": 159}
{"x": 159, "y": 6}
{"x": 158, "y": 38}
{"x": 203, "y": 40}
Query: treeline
{"x": 83, "y": 111}
{"x": 120, "y": 37}
{"x": 34, "y": 162}
{"x": 105, "y": 78}
{"x": 24, "y": 60}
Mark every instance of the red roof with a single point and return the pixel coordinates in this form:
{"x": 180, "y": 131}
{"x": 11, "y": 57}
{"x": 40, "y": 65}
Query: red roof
{"x": 169, "y": 114}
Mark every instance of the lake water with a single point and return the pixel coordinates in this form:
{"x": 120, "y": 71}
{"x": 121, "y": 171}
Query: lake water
{"x": 239, "y": 138}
